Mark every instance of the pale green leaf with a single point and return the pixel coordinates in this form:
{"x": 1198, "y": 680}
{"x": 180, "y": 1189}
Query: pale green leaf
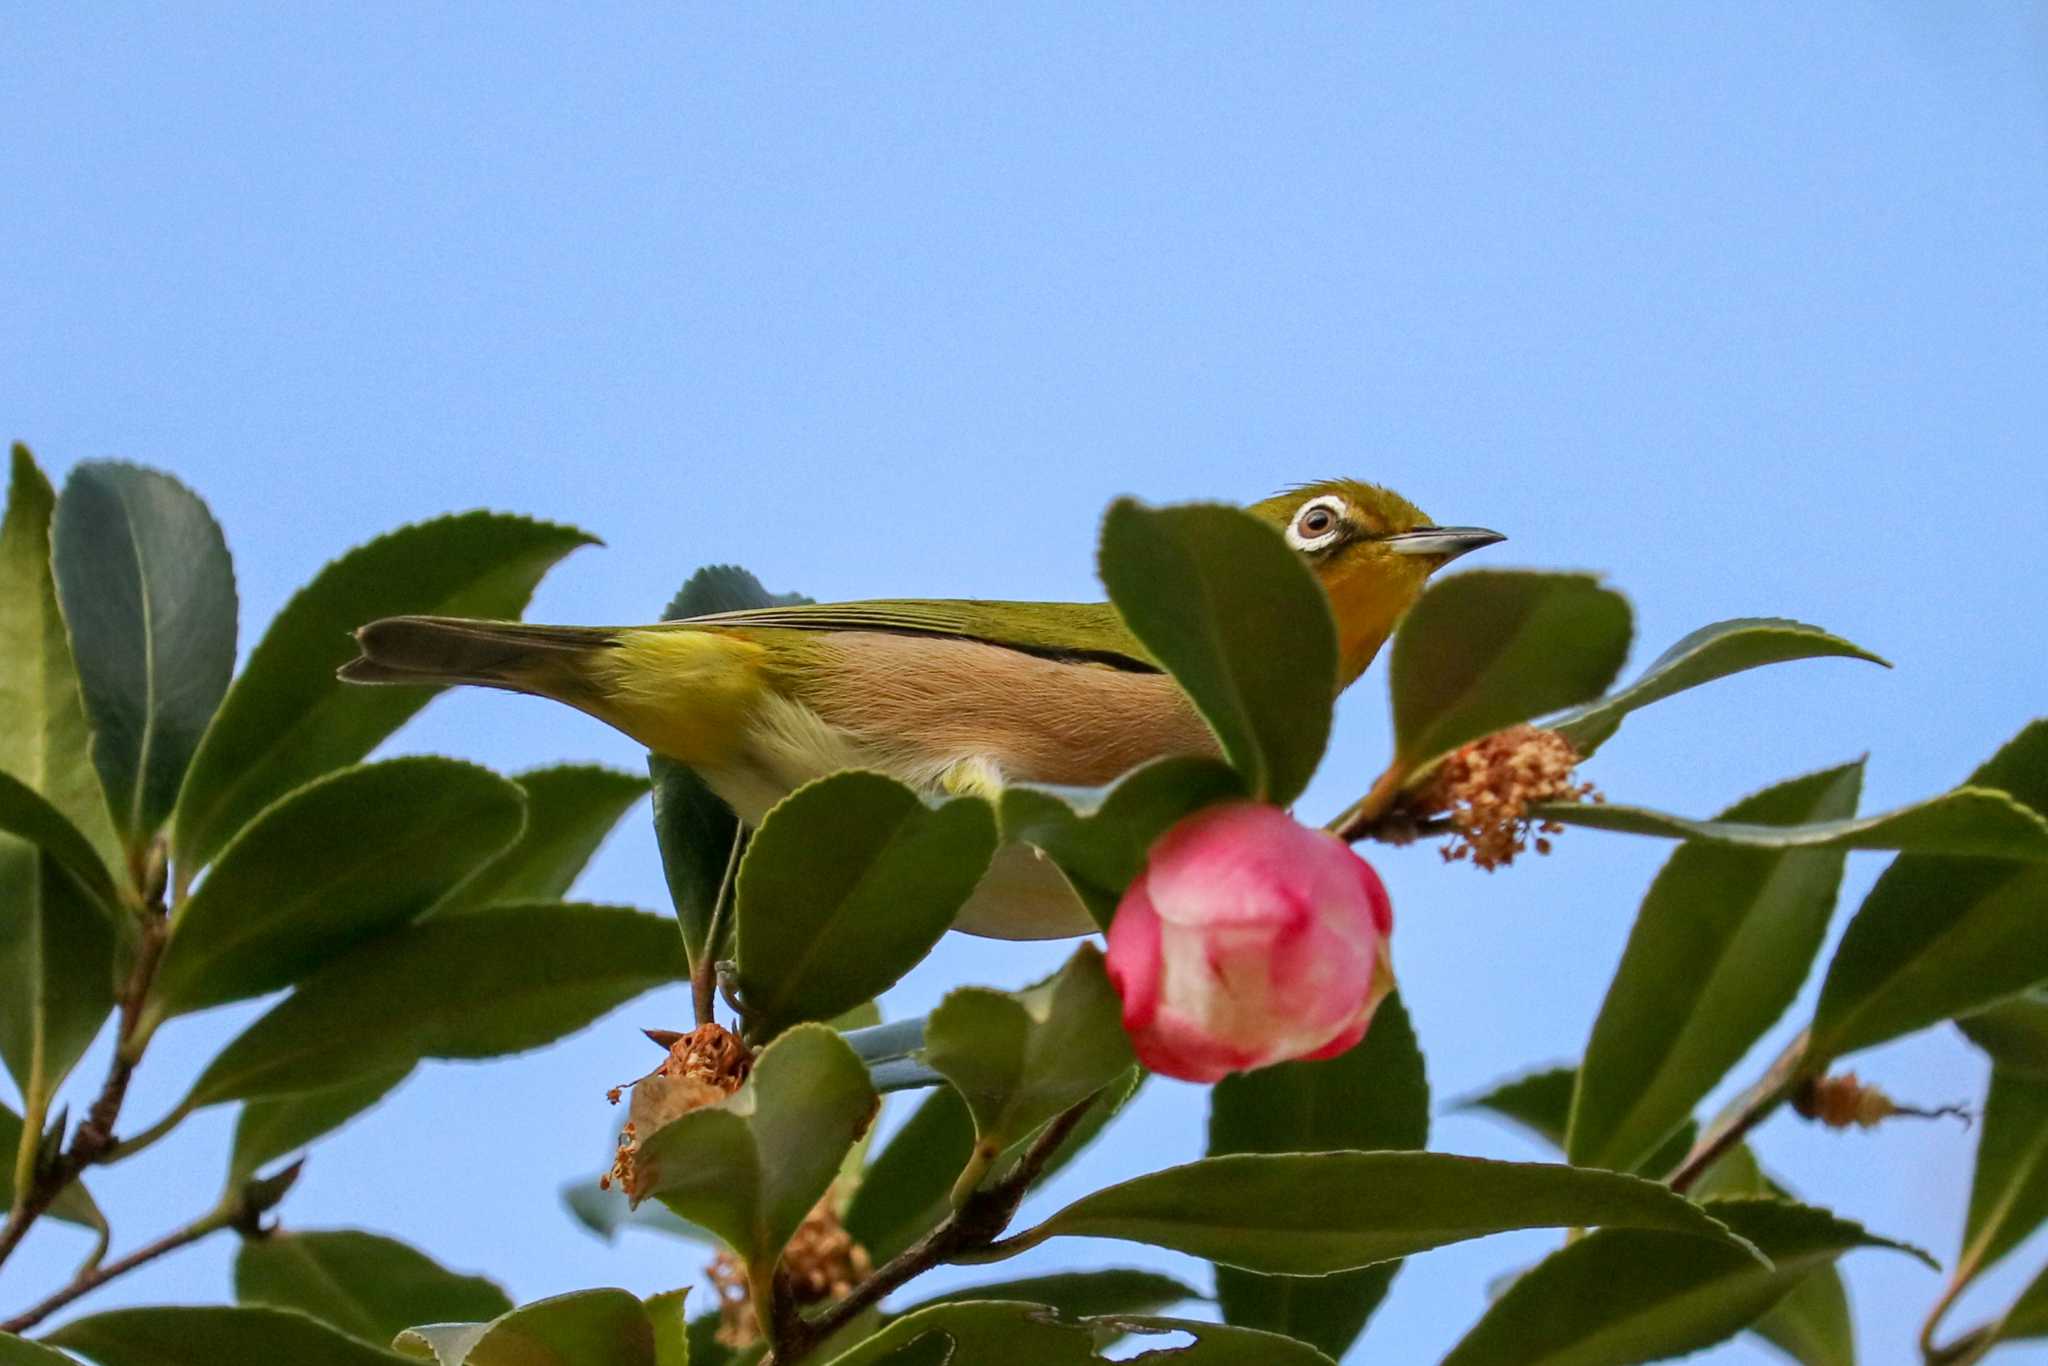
{"x": 570, "y": 808}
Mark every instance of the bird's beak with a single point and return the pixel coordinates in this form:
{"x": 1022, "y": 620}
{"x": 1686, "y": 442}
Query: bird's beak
{"x": 1447, "y": 543}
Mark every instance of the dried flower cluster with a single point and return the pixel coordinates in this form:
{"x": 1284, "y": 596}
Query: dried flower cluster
{"x": 1841, "y": 1101}
{"x": 822, "y": 1262}
{"x": 1487, "y": 788}
{"x": 702, "y": 1068}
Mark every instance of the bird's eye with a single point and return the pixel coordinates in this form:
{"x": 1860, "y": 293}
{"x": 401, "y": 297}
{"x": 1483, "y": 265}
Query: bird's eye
{"x": 1315, "y": 522}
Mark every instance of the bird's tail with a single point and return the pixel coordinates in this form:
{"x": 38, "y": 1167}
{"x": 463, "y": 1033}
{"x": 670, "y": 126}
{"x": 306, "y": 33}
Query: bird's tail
{"x": 550, "y": 661}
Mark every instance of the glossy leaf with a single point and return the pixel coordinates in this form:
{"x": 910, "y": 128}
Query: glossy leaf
{"x": 368, "y": 1286}
{"x": 282, "y": 1125}
{"x": 342, "y": 860}
{"x": 1620, "y": 1296}
{"x": 2014, "y": 1033}
{"x": 751, "y": 1168}
{"x": 1308, "y": 1214}
{"x": 1101, "y": 844}
{"x": 1373, "y": 1097}
{"x": 482, "y": 985}
{"x": 1484, "y": 650}
{"x": 1078, "y": 1294}
{"x": 287, "y": 719}
{"x": 1242, "y": 625}
{"x": 2009, "y": 1193}
{"x": 1712, "y": 652}
{"x": 27, "y": 817}
{"x": 1965, "y": 821}
{"x": 1941, "y": 936}
{"x": 1720, "y": 947}
{"x": 848, "y": 884}
{"x": 45, "y": 741}
{"x": 214, "y": 1335}
{"x": 1541, "y": 1103}
{"x": 586, "y": 1328}
{"x": 1010, "y": 1333}
{"x": 570, "y": 808}
{"x": 74, "y": 1205}
{"x": 149, "y": 592}
{"x": 57, "y": 966}
{"x": 904, "y": 1191}
{"x": 1020, "y": 1058}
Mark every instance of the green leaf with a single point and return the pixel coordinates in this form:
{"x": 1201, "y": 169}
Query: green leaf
{"x": 1019, "y": 1059}
{"x": 287, "y": 719}
{"x": 1723, "y": 941}
{"x": 695, "y": 831}
{"x": 28, "y": 815}
{"x": 751, "y": 1168}
{"x": 368, "y": 1286}
{"x": 74, "y": 1205}
{"x": 1541, "y": 1103}
{"x": 1484, "y": 650}
{"x": 725, "y": 588}
{"x": 45, "y": 741}
{"x": 848, "y": 884}
{"x": 1811, "y": 1324}
{"x": 586, "y": 1328}
{"x": 1373, "y": 1097}
{"x": 1308, "y": 1214}
{"x": 149, "y": 592}
{"x": 269, "y": 1129}
{"x": 496, "y": 981}
{"x": 2014, "y": 1033}
{"x": 2028, "y": 1317}
{"x": 1101, "y": 844}
{"x": 1240, "y": 623}
{"x": 214, "y": 1335}
{"x": 1621, "y": 1296}
{"x": 1940, "y": 936}
{"x": 607, "y": 1212}
{"x": 1965, "y": 821}
{"x": 903, "y": 1192}
{"x": 1078, "y": 1294}
{"x": 16, "y": 1351}
{"x": 671, "y": 1330}
{"x": 338, "y": 862}
{"x": 1713, "y": 651}
{"x": 2009, "y": 1193}
{"x": 57, "y": 966}
{"x": 570, "y": 808}
{"x": 1011, "y": 1333}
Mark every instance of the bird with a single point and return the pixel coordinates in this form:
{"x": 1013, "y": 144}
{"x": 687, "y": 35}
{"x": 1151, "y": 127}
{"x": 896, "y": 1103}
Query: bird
{"x": 948, "y": 696}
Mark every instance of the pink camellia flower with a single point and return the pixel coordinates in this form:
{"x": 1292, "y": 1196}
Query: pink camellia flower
{"x": 1249, "y": 939}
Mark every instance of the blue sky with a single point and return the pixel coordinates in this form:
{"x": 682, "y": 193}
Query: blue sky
{"x": 1742, "y": 305}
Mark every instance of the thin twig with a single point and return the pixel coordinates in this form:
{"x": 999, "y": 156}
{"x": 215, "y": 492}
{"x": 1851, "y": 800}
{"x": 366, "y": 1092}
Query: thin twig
{"x": 90, "y": 1278}
{"x": 973, "y": 1226}
{"x": 1753, "y": 1107}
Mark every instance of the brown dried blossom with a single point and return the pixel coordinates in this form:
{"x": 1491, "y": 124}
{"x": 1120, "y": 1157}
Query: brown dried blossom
{"x": 821, "y": 1262}
{"x": 1487, "y": 787}
{"x": 702, "y": 1068}
{"x": 1842, "y": 1100}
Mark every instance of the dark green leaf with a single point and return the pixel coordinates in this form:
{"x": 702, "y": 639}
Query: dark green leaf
{"x": 1621, "y": 1296}
{"x": 2028, "y": 1317}
{"x": 1012, "y": 1333}
{"x": 1078, "y": 1294}
{"x": 74, "y": 1205}
{"x": 1101, "y": 846}
{"x": 606, "y": 1212}
{"x": 586, "y": 1328}
{"x": 1541, "y": 1103}
{"x": 695, "y": 830}
{"x": 269, "y": 1129}
{"x": 1965, "y": 821}
{"x": 214, "y": 1335}
{"x": 1941, "y": 936}
{"x": 28, "y": 816}
{"x": 1715, "y": 651}
{"x": 1484, "y": 650}
{"x": 287, "y": 719}
{"x": 570, "y": 808}
{"x": 2013, "y": 1032}
{"x": 846, "y": 886}
{"x": 751, "y": 1168}
{"x": 1811, "y": 1324}
{"x": 1719, "y": 949}
{"x": 1308, "y": 1214}
{"x": 45, "y": 742}
{"x": 149, "y": 592}
{"x": 1373, "y": 1097}
{"x": 472, "y": 986}
{"x": 725, "y": 588}
{"x": 2009, "y": 1193}
{"x": 16, "y": 1351}
{"x": 341, "y": 861}
{"x": 57, "y": 965}
{"x": 903, "y": 1192}
{"x": 1242, "y": 625}
{"x": 1019, "y": 1059}
{"x": 368, "y": 1286}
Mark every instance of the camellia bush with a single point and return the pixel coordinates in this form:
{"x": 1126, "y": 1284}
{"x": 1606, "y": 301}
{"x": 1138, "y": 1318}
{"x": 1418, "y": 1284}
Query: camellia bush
{"x": 178, "y": 835}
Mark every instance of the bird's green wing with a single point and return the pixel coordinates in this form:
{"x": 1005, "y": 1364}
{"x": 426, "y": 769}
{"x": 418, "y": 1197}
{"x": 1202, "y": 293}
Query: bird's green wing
{"x": 1089, "y": 632}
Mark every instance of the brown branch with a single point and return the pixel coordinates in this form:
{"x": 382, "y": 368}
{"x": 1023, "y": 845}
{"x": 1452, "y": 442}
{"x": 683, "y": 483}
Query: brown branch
{"x": 91, "y": 1278}
{"x": 1751, "y": 1109}
{"x": 972, "y": 1227}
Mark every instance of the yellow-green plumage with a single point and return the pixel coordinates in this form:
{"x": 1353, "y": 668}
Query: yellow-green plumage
{"x": 947, "y": 696}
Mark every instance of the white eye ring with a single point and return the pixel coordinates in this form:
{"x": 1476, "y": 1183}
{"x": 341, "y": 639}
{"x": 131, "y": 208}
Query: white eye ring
{"x": 1329, "y": 503}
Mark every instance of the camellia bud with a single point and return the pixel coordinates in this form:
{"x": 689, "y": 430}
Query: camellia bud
{"x": 1249, "y": 939}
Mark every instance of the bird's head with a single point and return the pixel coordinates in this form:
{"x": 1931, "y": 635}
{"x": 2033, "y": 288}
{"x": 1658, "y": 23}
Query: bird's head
{"x": 1372, "y": 550}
